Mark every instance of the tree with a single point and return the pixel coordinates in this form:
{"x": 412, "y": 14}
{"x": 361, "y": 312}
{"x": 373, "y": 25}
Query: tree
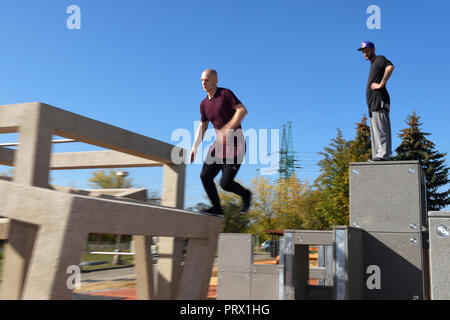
{"x": 332, "y": 186}
{"x": 112, "y": 180}
{"x": 233, "y": 221}
{"x": 415, "y": 146}
{"x": 360, "y": 147}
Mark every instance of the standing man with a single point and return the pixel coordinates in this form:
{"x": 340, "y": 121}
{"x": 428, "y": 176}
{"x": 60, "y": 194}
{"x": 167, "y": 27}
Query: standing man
{"x": 226, "y": 112}
{"x": 379, "y": 102}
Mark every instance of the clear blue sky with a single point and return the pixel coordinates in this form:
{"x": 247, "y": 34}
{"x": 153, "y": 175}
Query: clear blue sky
{"x": 136, "y": 64}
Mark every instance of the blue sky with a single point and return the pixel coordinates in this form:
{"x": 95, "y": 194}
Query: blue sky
{"x": 136, "y": 64}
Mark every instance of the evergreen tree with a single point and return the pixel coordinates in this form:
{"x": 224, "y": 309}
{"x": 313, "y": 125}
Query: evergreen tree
{"x": 333, "y": 183}
{"x": 361, "y": 148}
{"x": 415, "y": 146}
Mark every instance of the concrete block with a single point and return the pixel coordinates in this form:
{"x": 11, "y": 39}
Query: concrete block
{"x": 387, "y": 196}
{"x": 235, "y": 252}
{"x": 264, "y": 282}
{"x": 402, "y": 267}
{"x": 233, "y": 286}
{"x": 439, "y": 232}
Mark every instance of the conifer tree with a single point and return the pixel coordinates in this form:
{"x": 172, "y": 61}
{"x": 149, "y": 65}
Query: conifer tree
{"x": 415, "y": 146}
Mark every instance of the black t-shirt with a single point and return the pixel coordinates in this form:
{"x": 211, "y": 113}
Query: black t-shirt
{"x": 377, "y": 99}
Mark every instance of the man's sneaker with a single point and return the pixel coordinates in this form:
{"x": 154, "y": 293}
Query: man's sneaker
{"x": 246, "y": 202}
{"x": 213, "y": 211}
{"x": 375, "y": 159}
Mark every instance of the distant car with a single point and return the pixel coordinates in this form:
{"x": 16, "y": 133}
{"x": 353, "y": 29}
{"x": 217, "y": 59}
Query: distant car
{"x": 268, "y": 245}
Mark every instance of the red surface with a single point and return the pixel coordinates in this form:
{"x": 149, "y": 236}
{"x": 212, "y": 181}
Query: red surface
{"x": 131, "y": 293}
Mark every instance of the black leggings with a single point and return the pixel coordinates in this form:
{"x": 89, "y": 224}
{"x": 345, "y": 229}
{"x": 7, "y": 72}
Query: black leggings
{"x": 229, "y": 171}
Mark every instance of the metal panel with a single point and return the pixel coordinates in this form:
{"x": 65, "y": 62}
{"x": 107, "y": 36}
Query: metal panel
{"x": 387, "y": 196}
{"x": 399, "y": 257}
{"x": 235, "y": 252}
{"x": 439, "y": 232}
{"x": 348, "y": 263}
{"x": 313, "y": 237}
{"x": 233, "y": 286}
{"x": 296, "y": 269}
{"x": 264, "y": 282}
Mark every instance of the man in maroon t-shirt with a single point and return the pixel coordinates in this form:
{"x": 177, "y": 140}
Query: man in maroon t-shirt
{"x": 226, "y": 112}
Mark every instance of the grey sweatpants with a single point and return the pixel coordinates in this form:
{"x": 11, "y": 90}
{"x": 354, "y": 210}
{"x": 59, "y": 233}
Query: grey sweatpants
{"x": 380, "y": 132}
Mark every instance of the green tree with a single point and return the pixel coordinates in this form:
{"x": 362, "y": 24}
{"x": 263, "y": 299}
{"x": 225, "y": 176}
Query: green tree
{"x": 332, "y": 186}
{"x": 360, "y": 147}
{"x": 415, "y": 146}
{"x": 111, "y": 180}
{"x": 233, "y": 221}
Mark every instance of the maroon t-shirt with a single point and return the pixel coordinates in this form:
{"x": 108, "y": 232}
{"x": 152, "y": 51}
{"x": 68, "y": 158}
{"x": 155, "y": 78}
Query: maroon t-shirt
{"x": 219, "y": 110}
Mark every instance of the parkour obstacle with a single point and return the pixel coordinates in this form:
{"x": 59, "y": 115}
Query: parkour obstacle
{"x": 392, "y": 249}
{"x": 46, "y": 227}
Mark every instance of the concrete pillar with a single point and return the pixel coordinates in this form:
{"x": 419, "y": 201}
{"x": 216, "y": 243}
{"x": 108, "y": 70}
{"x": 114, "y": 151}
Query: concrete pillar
{"x": 196, "y": 275}
{"x": 57, "y": 248}
{"x": 32, "y": 161}
{"x": 17, "y": 254}
{"x": 170, "y": 249}
{"x": 144, "y": 267}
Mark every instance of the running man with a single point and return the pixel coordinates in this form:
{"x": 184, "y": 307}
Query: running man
{"x": 226, "y": 112}
{"x": 379, "y": 102}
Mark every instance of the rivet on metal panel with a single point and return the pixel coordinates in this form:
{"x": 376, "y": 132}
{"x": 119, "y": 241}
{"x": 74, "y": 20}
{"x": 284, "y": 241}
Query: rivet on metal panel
{"x": 355, "y": 172}
{"x": 413, "y": 226}
{"x": 413, "y": 240}
{"x": 442, "y": 231}
{"x": 411, "y": 170}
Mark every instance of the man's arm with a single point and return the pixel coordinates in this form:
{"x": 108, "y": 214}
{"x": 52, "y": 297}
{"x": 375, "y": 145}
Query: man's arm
{"x": 198, "y": 138}
{"x": 387, "y": 74}
{"x": 238, "y": 116}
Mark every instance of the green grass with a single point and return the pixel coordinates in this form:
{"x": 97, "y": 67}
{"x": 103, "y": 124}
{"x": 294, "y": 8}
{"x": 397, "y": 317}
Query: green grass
{"x": 125, "y": 261}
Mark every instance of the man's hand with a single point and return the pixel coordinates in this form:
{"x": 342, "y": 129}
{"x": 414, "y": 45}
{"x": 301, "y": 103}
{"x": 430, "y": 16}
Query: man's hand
{"x": 193, "y": 152}
{"x": 376, "y": 86}
{"x": 221, "y": 136}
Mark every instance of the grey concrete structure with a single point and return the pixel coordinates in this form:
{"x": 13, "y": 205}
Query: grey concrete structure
{"x": 387, "y": 196}
{"x": 238, "y": 277}
{"x": 439, "y": 229}
{"x": 51, "y": 224}
{"x": 388, "y": 201}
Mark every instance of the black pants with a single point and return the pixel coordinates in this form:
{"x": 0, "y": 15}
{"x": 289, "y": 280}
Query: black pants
{"x": 229, "y": 171}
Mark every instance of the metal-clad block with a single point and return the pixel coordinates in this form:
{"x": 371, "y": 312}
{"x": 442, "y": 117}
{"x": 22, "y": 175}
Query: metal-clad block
{"x": 387, "y": 196}
{"x": 399, "y": 260}
{"x": 264, "y": 283}
{"x": 296, "y": 269}
{"x": 233, "y": 286}
{"x": 439, "y": 233}
{"x": 348, "y": 263}
{"x": 235, "y": 252}
{"x": 313, "y": 237}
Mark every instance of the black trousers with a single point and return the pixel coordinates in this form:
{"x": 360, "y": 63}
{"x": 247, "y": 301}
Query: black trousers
{"x": 229, "y": 171}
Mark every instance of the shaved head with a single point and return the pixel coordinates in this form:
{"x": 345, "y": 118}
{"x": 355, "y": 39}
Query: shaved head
{"x": 209, "y": 80}
{"x": 211, "y": 72}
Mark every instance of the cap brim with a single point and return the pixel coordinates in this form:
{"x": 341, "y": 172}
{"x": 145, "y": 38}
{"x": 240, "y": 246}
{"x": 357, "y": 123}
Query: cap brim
{"x": 360, "y": 49}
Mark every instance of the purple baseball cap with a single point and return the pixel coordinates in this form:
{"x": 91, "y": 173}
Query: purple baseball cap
{"x": 366, "y": 44}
